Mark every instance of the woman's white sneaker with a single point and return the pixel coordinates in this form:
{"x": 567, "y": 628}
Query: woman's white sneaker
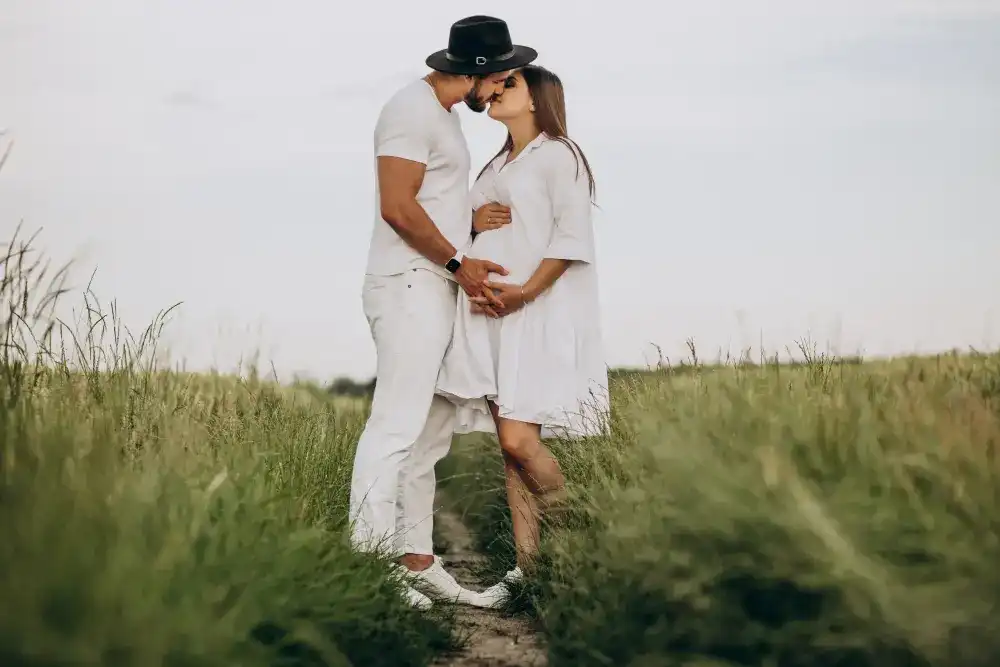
{"x": 497, "y": 594}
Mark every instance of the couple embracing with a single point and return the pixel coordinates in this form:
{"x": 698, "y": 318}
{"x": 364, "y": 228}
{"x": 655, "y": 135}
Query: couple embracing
{"x": 483, "y": 305}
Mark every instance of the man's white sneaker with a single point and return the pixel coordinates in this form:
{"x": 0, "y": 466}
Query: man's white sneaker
{"x": 416, "y": 599}
{"x": 439, "y": 584}
{"x": 412, "y": 596}
{"x": 498, "y": 593}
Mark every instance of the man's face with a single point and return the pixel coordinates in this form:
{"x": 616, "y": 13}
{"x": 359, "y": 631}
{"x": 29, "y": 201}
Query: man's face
{"x": 484, "y": 90}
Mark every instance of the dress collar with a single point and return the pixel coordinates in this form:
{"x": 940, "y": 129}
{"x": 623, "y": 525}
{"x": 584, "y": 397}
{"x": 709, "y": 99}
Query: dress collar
{"x": 501, "y": 163}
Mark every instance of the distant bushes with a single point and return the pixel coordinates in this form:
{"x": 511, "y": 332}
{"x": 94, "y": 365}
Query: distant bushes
{"x": 344, "y": 386}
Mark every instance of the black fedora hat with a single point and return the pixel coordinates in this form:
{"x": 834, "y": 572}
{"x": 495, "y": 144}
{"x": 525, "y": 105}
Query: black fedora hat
{"x": 480, "y": 45}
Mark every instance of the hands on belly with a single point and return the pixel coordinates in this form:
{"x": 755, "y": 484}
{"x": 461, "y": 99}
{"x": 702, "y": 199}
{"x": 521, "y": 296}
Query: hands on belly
{"x": 490, "y": 216}
{"x": 472, "y": 275}
{"x": 508, "y": 298}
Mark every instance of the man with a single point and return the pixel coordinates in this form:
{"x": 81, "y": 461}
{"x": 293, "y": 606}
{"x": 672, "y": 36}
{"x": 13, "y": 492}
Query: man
{"x": 415, "y": 265}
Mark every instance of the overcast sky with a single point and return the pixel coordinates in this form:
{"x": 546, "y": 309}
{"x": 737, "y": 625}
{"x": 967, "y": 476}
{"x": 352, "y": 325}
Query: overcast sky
{"x": 766, "y": 170}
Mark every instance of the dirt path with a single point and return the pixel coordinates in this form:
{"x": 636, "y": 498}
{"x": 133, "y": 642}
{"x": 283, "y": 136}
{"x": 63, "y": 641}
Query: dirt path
{"x": 494, "y": 641}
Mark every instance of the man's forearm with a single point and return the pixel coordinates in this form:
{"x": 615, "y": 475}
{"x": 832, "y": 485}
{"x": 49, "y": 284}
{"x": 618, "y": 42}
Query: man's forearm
{"x": 415, "y": 227}
{"x": 544, "y": 277}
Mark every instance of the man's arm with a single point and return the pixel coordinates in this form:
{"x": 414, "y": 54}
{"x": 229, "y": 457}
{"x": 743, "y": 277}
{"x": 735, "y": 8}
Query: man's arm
{"x": 399, "y": 182}
{"x": 402, "y": 149}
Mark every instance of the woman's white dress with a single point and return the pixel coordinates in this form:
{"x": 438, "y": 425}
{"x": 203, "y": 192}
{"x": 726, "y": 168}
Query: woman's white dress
{"x": 543, "y": 364}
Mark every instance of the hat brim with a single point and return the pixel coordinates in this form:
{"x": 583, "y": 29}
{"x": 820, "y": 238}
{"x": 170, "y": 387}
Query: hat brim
{"x": 523, "y": 55}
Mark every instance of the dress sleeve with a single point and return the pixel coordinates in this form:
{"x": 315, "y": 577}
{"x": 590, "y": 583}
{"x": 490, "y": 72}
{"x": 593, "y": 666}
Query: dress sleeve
{"x": 573, "y": 233}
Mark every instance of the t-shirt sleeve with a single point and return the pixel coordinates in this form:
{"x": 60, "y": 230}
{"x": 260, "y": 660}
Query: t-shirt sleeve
{"x": 573, "y": 234}
{"x": 403, "y": 131}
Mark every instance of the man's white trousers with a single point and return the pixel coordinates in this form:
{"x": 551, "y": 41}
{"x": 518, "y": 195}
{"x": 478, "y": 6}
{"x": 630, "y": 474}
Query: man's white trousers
{"x": 410, "y": 429}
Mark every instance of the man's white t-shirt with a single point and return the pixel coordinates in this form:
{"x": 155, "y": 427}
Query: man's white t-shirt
{"x": 413, "y": 125}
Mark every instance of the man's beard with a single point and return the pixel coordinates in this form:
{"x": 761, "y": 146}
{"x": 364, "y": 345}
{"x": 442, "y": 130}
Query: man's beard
{"x": 473, "y": 101}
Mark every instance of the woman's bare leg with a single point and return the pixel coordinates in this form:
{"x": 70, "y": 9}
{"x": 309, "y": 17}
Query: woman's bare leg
{"x": 539, "y": 468}
{"x": 541, "y": 482}
{"x": 523, "y": 512}
{"x": 520, "y": 499}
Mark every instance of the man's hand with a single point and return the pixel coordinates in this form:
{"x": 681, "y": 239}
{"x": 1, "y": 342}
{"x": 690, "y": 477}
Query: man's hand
{"x": 490, "y": 216}
{"x": 473, "y": 275}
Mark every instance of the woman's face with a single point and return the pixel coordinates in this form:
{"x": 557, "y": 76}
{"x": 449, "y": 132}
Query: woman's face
{"x": 515, "y": 100}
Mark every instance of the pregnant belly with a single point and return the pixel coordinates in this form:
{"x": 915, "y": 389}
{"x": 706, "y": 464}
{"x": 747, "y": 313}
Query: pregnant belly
{"x": 500, "y": 246}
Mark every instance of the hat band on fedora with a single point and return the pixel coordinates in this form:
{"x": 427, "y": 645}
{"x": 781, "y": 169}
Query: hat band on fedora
{"x": 482, "y": 60}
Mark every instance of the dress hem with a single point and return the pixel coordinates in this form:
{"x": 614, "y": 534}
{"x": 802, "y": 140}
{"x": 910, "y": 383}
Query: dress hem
{"x": 474, "y": 416}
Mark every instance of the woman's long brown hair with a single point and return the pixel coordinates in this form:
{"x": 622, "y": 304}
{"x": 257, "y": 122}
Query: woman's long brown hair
{"x": 546, "y": 92}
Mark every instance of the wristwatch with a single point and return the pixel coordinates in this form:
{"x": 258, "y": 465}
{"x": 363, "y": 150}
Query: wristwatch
{"x": 455, "y": 262}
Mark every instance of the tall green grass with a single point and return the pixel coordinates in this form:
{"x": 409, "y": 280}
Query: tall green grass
{"x": 827, "y": 514}
{"x": 160, "y": 518}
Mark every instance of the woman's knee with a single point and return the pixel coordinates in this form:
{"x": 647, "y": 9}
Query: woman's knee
{"x": 521, "y": 444}
{"x": 509, "y": 462}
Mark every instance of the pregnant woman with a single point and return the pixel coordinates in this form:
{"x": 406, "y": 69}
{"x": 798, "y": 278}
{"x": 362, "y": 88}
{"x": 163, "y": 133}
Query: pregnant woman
{"x": 535, "y": 366}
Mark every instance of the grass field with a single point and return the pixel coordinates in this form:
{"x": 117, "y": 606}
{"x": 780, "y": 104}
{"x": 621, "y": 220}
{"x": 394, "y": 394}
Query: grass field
{"x": 156, "y": 518}
{"x": 827, "y": 514}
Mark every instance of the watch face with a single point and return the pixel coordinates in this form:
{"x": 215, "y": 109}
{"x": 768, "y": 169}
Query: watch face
{"x": 453, "y": 265}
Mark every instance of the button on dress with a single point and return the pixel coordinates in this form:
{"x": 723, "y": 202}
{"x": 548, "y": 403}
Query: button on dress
{"x": 543, "y": 364}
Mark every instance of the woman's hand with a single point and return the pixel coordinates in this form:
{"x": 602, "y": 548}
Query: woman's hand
{"x": 512, "y": 298}
{"x": 490, "y": 216}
